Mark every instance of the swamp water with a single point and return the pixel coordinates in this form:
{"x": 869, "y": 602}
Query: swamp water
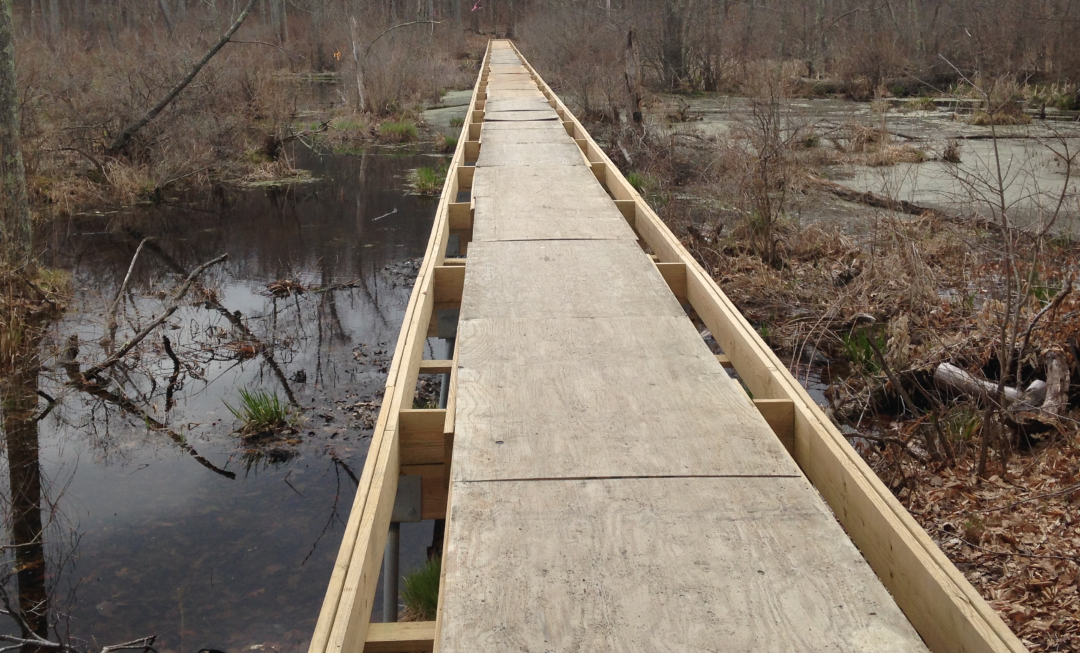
{"x": 184, "y": 531}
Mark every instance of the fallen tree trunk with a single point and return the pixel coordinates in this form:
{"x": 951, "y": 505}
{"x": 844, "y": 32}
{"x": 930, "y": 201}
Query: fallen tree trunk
{"x": 950, "y": 377}
{"x": 121, "y": 141}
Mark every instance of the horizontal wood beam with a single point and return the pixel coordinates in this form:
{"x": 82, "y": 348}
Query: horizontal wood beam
{"x": 401, "y": 637}
{"x": 436, "y": 366}
{"x": 454, "y": 261}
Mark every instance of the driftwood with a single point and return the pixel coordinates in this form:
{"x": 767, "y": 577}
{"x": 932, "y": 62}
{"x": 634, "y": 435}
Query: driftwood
{"x": 122, "y": 140}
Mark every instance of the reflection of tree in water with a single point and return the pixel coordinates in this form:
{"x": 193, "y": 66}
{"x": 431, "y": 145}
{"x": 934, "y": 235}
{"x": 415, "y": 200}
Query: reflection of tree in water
{"x": 26, "y": 553}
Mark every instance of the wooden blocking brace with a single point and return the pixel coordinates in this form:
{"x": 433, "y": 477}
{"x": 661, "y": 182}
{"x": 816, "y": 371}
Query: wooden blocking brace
{"x": 583, "y": 144}
{"x": 599, "y": 171}
{"x": 465, "y": 177}
{"x": 675, "y": 276}
{"x": 480, "y": 104}
{"x": 780, "y": 414}
{"x": 436, "y": 366}
{"x": 400, "y": 637}
{"x": 449, "y": 283}
{"x": 421, "y": 434}
{"x": 433, "y": 488}
{"x": 474, "y": 131}
{"x": 481, "y": 95}
{"x": 628, "y": 208}
{"x": 460, "y": 215}
{"x": 724, "y": 361}
{"x": 477, "y": 116}
{"x": 472, "y": 151}
{"x": 568, "y": 125}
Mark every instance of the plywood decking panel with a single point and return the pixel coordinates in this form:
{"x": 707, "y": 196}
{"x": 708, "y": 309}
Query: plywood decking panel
{"x": 541, "y": 279}
{"x": 497, "y": 152}
{"x": 496, "y": 103}
{"x": 608, "y": 397}
{"x": 545, "y": 114}
{"x": 738, "y": 565}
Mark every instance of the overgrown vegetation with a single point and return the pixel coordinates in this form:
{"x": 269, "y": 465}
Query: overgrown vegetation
{"x": 398, "y": 132}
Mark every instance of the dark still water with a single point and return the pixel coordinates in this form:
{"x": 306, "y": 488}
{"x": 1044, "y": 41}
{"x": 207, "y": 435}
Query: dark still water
{"x": 157, "y": 518}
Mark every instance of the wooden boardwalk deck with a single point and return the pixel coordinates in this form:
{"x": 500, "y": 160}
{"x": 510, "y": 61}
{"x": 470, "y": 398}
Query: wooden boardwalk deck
{"x": 613, "y": 489}
{"x": 607, "y": 485}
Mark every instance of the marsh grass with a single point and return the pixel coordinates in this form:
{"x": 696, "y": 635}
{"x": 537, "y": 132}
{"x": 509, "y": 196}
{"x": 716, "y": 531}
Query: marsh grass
{"x": 398, "y": 132}
{"x": 449, "y": 143}
{"x": 261, "y": 413}
{"x": 429, "y": 180}
{"x": 421, "y": 591}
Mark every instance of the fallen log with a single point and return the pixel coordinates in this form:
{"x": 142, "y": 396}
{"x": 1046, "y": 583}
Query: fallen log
{"x": 950, "y": 377}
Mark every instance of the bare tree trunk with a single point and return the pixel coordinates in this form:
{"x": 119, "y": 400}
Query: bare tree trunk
{"x": 166, "y": 15}
{"x": 361, "y": 100}
{"x": 121, "y": 141}
{"x": 633, "y": 77}
{"x": 15, "y": 223}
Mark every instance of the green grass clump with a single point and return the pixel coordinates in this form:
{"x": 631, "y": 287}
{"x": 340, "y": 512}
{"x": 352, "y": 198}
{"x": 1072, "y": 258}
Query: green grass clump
{"x": 421, "y": 591}
{"x": 398, "y": 132}
{"x": 428, "y": 180}
{"x": 457, "y": 122}
{"x": 860, "y": 352}
{"x": 637, "y": 180}
{"x": 919, "y": 104}
{"x": 449, "y": 143}
{"x": 260, "y": 412}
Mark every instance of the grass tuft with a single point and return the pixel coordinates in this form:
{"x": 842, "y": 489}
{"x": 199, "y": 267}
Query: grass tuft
{"x": 449, "y": 143}
{"x": 429, "y": 180}
{"x": 261, "y": 413}
{"x": 398, "y": 132}
{"x": 457, "y": 122}
{"x": 421, "y": 591}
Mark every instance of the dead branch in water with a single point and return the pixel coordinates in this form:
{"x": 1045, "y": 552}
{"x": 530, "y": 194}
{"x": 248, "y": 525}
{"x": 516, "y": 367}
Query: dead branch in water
{"x": 174, "y": 304}
{"x": 110, "y": 315}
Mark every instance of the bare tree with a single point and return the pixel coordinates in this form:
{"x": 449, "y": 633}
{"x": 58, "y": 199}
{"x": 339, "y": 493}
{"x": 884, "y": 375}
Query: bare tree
{"x": 14, "y": 206}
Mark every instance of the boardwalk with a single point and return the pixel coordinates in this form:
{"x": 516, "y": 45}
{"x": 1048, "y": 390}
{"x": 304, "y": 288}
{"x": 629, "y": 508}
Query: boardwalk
{"x": 613, "y": 488}
{"x": 607, "y": 485}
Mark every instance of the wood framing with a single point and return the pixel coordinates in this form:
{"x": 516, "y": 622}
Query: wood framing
{"x": 948, "y": 613}
{"x": 343, "y": 623}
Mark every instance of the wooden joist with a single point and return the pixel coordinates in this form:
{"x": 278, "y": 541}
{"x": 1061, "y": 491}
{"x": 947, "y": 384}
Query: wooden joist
{"x": 435, "y": 366}
{"x": 401, "y": 637}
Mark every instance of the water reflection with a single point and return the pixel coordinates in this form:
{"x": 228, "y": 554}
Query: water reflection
{"x": 172, "y": 526}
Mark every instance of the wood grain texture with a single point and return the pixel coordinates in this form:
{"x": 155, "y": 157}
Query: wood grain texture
{"x": 518, "y": 218}
{"x": 651, "y": 565}
{"x": 563, "y": 279}
{"x": 608, "y": 397}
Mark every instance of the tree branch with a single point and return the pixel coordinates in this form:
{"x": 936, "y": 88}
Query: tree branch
{"x": 122, "y": 140}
